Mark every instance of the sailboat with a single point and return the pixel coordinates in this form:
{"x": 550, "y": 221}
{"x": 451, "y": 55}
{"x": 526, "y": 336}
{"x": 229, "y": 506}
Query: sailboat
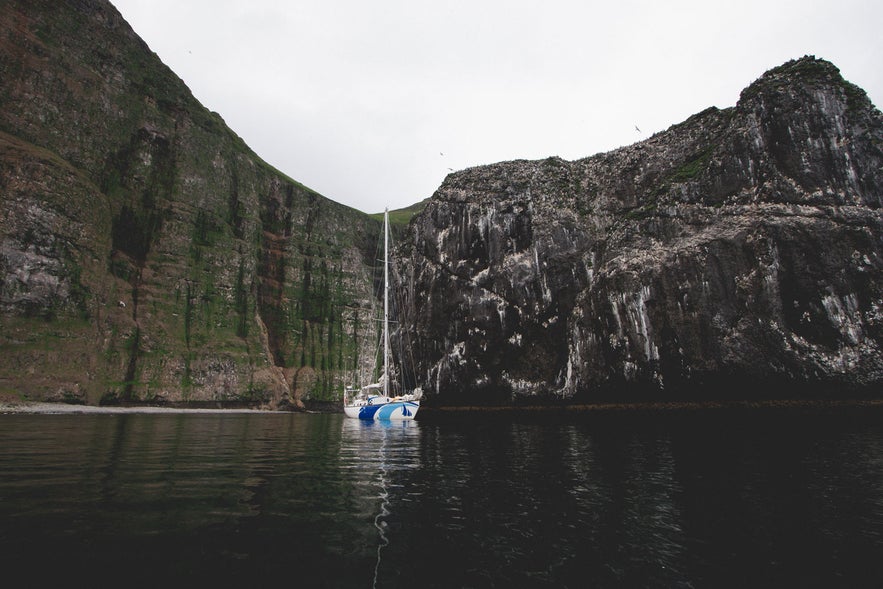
{"x": 373, "y": 402}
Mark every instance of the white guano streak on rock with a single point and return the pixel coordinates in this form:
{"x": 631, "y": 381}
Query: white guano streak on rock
{"x": 844, "y": 316}
{"x": 635, "y": 308}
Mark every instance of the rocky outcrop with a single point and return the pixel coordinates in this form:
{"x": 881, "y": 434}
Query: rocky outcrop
{"x": 146, "y": 254}
{"x": 736, "y": 255}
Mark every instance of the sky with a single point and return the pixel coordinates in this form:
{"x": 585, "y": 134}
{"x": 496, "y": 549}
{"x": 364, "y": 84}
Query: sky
{"x": 373, "y": 103}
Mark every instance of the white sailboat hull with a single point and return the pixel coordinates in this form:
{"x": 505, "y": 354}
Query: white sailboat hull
{"x": 392, "y": 411}
{"x": 352, "y": 411}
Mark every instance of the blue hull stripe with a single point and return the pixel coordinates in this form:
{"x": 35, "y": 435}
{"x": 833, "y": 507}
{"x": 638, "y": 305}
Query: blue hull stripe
{"x": 388, "y": 411}
{"x": 368, "y": 411}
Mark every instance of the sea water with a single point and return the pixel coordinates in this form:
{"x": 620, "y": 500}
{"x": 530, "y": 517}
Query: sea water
{"x": 685, "y": 499}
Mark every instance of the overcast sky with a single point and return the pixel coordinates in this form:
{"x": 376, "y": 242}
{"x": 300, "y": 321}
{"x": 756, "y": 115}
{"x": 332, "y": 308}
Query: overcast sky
{"x": 371, "y": 103}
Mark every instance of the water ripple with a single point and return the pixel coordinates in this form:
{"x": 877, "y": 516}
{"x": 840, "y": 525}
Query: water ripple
{"x": 322, "y": 500}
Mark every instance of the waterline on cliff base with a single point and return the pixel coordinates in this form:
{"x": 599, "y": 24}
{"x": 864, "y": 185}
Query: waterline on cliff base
{"x": 68, "y": 409}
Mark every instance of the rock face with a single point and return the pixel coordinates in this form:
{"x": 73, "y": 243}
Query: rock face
{"x": 146, "y": 253}
{"x": 736, "y": 255}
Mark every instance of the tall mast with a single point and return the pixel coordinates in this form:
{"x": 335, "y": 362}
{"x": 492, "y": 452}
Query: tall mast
{"x": 386, "y": 302}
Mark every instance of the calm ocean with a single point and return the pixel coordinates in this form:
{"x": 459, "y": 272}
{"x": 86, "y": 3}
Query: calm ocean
{"x": 685, "y": 499}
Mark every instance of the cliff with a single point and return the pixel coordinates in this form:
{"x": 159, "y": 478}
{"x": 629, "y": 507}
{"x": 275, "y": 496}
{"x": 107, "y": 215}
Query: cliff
{"x": 146, "y": 254}
{"x": 735, "y": 255}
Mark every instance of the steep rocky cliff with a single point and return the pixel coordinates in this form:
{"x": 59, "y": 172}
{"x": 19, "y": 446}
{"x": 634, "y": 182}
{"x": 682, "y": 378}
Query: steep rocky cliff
{"x": 736, "y": 255}
{"x": 145, "y": 252}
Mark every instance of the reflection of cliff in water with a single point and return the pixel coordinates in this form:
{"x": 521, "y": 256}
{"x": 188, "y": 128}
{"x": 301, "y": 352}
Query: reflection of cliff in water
{"x": 692, "y": 500}
{"x": 708, "y": 499}
{"x": 228, "y": 498}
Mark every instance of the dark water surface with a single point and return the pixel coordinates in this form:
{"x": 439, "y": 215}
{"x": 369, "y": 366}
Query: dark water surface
{"x": 690, "y": 500}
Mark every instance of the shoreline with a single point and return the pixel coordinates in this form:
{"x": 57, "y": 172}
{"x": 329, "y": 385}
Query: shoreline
{"x": 44, "y": 408}
{"x": 658, "y": 406}
{"x": 429, "y": 412}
